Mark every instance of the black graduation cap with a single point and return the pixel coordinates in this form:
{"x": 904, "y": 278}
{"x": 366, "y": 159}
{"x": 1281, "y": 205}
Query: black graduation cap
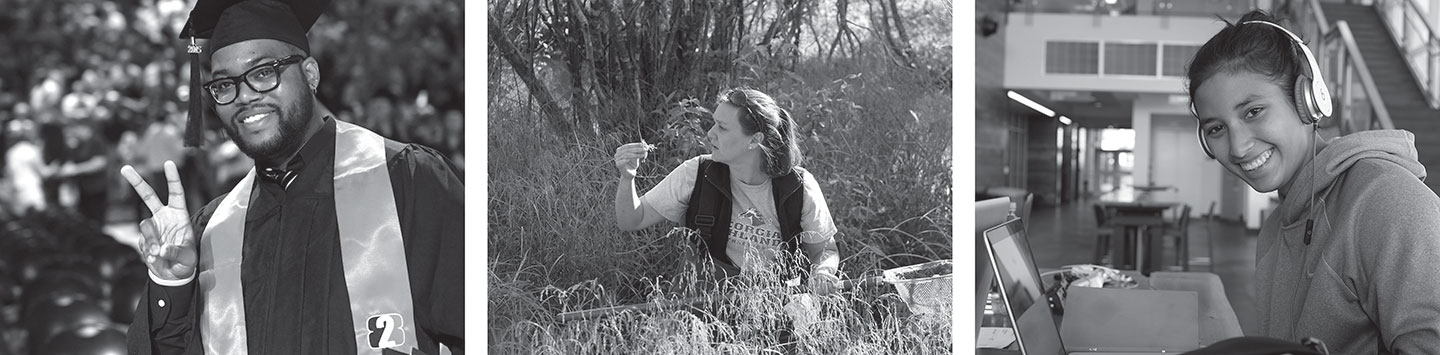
{"x": 226, "y": 22}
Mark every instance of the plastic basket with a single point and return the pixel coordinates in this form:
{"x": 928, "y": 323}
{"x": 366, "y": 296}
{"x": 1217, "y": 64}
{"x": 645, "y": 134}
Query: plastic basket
{"x": 925, "y": 288}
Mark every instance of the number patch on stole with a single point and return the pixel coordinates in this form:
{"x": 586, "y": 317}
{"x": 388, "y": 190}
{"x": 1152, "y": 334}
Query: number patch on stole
{"x": 385, "y": 331}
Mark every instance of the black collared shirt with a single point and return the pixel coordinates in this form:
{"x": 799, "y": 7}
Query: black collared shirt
{"x": 292, "y": 275}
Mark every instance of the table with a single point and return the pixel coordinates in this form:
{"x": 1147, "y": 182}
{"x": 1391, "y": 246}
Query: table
{"x": 1136, "y": 217}
{"x": 1216, "y": 317}
{"x": 1153, "y": 188}
{"x": 1135, "y": 193}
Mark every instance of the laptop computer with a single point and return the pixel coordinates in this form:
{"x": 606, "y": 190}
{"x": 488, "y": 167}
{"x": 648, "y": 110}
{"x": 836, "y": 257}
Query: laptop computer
{"x": 988, "y": 214}
{"x": 1037, "y": 328}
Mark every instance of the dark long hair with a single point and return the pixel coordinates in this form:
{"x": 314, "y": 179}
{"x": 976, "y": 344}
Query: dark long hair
{"x": 760, "y": 113}
{"x": 1255, "y": 48}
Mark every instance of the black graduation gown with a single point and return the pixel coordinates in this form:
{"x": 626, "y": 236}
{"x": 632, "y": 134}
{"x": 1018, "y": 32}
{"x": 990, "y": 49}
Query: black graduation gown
{"x": 296, "y": 301}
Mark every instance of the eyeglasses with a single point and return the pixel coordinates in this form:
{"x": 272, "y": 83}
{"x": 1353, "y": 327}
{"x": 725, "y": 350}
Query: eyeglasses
{"x": 739, "y": 99}
{"x": 262, "y": 78}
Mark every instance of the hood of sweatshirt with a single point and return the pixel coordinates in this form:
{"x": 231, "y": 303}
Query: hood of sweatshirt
{"x": 1394, "y": 146}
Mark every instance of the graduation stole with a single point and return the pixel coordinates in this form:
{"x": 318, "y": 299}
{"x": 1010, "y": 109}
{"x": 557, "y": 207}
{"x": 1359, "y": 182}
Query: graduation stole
{"x": 370, "y": 246}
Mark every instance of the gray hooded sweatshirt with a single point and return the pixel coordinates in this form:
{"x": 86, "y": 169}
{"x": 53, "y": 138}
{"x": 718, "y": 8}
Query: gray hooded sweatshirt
{"x": 1368, "y": 281}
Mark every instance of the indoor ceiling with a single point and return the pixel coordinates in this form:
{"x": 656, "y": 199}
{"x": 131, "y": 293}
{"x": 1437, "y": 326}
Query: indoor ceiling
{"x": 1089, "y": 109}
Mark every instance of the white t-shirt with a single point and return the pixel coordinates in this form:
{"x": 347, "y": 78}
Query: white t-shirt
{"x": 754, "y": 229}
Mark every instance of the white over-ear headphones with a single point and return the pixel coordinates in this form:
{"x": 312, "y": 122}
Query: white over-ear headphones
{"x": 1312, "y": 97}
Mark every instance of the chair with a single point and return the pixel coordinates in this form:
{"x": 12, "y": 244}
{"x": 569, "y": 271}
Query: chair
{"x": 1102, "y": 236}
{"x": 1180, "y": 230}
{"x": 1209, "y": 259}
{"x": 1024, "y": 210}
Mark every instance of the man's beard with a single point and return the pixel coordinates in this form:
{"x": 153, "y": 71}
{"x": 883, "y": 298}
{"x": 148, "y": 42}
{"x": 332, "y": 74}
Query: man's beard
{"x": 293, "y": 119}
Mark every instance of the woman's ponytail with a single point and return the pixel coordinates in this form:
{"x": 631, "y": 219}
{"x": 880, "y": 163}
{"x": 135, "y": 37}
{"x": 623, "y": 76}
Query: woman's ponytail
{"x": 789, "y": 136}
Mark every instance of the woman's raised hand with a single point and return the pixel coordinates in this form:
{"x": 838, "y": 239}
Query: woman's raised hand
{"x": 167, "y": 241}
{"x": 628, "y": 156}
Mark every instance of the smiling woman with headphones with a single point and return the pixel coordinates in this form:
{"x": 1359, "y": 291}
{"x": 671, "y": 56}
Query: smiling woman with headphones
{"x": 1349, "y": 256}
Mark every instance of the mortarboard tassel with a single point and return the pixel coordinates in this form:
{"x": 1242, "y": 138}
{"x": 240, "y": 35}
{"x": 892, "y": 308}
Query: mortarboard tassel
{"x": 195, "y": 125}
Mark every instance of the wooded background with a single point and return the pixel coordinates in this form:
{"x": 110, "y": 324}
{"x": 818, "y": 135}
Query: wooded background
{"x": 585, "y": 64}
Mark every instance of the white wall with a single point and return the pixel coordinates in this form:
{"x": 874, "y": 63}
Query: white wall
{"x": 1167, "y": 153}
{"x": 1028, "y": 32}
{"x": 1255, "y": 204}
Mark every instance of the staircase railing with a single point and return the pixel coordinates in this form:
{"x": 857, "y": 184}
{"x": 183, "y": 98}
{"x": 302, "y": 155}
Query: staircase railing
{"x": 1357, "y": 99}
{"x": 1418, "y": 43}
{"x": 1359, "y": 102}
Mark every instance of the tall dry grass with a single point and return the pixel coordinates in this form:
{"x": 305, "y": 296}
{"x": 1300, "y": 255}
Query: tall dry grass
{"x": 877, "y": 138}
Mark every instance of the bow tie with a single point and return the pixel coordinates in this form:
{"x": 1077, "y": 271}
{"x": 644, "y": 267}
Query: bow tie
{"x": 282, "y": 177}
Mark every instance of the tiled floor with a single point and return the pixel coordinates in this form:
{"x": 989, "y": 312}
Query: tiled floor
{"x": 1065, "y": 235}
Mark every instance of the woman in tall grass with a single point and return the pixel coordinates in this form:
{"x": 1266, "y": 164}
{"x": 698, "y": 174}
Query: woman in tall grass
{"x": 753, "y": 200}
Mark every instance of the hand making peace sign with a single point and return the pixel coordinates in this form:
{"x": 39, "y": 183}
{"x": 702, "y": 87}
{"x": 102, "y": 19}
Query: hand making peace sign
{"x": 168, "y": 242}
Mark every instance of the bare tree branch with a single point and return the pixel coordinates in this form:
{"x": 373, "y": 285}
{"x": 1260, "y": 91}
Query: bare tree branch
{"x": 843, "y": 31}
{"x": 553, "y": 115}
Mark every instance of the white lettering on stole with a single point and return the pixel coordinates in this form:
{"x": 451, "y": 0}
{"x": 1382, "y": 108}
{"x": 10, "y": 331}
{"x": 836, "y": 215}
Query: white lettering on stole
{"x": 385, "y": 331}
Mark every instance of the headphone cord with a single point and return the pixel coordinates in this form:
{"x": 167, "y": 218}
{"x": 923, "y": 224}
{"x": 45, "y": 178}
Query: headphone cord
{"x": 1314, "y": 151}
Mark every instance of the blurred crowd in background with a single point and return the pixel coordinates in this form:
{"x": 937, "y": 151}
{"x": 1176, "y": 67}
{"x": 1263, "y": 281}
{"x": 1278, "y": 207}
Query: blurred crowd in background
{"x": 87, "y": 86}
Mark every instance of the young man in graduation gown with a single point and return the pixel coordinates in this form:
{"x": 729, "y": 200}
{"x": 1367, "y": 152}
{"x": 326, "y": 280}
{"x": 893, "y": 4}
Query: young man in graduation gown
{"x": 339, "y": 241}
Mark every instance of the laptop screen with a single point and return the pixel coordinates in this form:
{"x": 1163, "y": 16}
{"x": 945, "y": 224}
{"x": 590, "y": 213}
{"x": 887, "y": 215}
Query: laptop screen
{"x": 1035, "y": 326}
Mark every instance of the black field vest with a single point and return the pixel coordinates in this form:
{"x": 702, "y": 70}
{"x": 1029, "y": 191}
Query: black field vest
{"x": 709, "y": 210}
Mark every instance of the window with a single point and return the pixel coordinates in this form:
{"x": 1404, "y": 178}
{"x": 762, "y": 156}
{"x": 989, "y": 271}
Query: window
{"x": 1177, "y": 59}
{"x": 1063, "y": 57}
{"x": 1130, "y": 59}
